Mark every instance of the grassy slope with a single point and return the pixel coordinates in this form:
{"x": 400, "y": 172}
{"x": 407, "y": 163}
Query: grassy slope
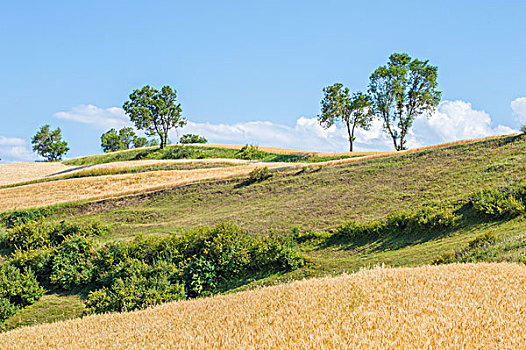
{"x": 196, "y": 152}
{"x": 321, "y": 199}
{"x": 455, "y": 306}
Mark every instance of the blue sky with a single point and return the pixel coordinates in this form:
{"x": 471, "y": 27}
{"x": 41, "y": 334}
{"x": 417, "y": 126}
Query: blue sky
{"x": 252, "y": 72}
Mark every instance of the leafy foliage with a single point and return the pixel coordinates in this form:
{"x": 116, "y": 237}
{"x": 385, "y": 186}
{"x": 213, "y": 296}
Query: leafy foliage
{"x": 49, "y": 144}
{"x": 249, "y": 152}
{"x": 17, "y": 289}
{"x": 111, "y": 141}
{"x": 504, "y": 202}
{"x": 192, "y": 138}
{"x": 155, "y": 111}
{"x": 401, "y": 91}
{"x": 354, "y": 112}
{"x": 404, "y": 222}
{"x": 259, "y": 174}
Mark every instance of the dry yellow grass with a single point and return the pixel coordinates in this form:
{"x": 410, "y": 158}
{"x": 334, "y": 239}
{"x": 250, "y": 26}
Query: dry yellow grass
{"x": 97, "y": 187}
{"x": 18, "y": 172}
{"x": 473, "y": 306}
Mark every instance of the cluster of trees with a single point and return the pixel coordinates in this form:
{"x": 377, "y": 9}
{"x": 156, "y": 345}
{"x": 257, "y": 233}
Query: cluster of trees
{"x": 154, "y": 111}
{"x": 113, "y": 140}
{"x": 398, "y": 92}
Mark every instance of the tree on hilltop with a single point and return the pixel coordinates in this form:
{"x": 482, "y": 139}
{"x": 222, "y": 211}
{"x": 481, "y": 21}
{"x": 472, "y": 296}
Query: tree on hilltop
{"x": 353, "y": 111}
{"x": 49, "y": 144}
{"x": 155, "y": 112}
{"x": 402, "y": 90}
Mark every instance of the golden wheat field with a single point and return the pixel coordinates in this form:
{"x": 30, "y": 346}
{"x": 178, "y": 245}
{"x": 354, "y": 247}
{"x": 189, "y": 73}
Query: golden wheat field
{"x": 459, "y": 306}
{"x": 97, "y": 187}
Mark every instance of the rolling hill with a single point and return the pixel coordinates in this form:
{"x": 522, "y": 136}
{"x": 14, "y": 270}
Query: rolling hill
{"x": 340, "y": 213}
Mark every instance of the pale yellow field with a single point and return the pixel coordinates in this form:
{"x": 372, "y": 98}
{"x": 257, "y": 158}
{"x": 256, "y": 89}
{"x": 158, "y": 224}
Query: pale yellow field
{"x": 472, "y": 306}
{"x": 18, "y": 172}
{"x": 97, "y": 187}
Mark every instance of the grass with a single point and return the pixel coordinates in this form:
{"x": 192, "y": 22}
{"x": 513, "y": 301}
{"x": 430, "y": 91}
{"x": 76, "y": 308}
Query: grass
{"x": 90, "y": 171}
{"x": 452, "y": 306}
{"x": 317, "y": 199}
{"x": 200, "y": 152}
{"x": 51, "y": 308}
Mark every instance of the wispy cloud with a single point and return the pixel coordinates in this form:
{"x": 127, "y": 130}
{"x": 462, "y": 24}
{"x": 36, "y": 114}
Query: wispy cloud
{"x": 14, "y": 149}
{"x": 96, "y": 117}
{"x": 518, "y": 106}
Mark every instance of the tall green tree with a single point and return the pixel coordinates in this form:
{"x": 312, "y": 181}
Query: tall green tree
{"x": 127, "y": 136}
{"x": 49, "y": 144}
{"x": 111, "y": 141}
{"x": 353, "y": 111}
{"x": 155, "y": 112}
{"x": 402, "y": 90}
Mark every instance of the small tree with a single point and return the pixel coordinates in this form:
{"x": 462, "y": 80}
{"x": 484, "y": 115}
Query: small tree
{"x": 192, "y": 138}
{"x": 111, "y": 141}
{"x": 155, "y": 111}
{"x": 401, "y": 91}
{"x": 127, "y": 136}
{"x": 354, "y": 111}
{"x": 49, "y": 144}
{"x": 139, "y": 142}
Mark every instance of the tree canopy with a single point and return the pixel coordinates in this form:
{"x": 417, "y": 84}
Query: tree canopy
{"x": 49, "y": 144}
{"x": 154, "y": 111}
{"x": 401, "y": 91}
{"x": 353, "y": 111}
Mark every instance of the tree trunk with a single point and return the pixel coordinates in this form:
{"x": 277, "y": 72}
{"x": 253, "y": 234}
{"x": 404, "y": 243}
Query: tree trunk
{"x": 350, "y": 135}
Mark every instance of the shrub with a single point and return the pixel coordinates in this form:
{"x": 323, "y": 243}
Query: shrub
{"x": 177, "y": 152}
{"x": 136, "y": 285}
{"x": 404, "y": 222}
{"x": 38, "y": 261}
{"x": 501, "y": 203}
{"x": 7, "y": 309}
{"x": 523, "y": 129}
{"x": 17, "y": 289}
{"x": 36, "y": 234}
{"x": 29, "y": 235}
{"x": 258, "y": 175}
{"x": 192, "y": 138}
{"x": 249, "y": 152}
{"x": 72, "y": 266}
{"x": 16, "y": 217}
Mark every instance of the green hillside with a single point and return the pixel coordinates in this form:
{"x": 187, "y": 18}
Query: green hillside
{"x": 402, "y": 210}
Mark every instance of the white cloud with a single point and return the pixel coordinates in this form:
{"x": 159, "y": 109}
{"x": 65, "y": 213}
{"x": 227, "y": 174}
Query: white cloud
{"x": 98, "y": 118}
{"x": 453, "y": 120}
{"x": 14, "y": 149}
{"x": 518, "y": 106}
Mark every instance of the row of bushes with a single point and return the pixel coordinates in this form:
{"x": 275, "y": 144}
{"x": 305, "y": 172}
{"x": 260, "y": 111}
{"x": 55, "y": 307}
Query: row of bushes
{"x": 123, "y": 276}
{"x": 503, "y": 202}
{"x": 404, "y": 222}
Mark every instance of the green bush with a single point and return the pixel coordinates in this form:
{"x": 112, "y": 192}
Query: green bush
{"x": 259, "y": 174}
{"x": 501, "y": 203}
{"x": 192, "y": 138}
{"x": 523, "y": 129}
{"x": 39, "y": 261}
{"x": 37, "y": 234}
{"x": 72, "y": 266}
{"x": 404, "y": 222}
{"x": 136, "y": 285}
{"x": 17, "y": 289}
{"x": 249, "y": 152}
{"x": 16, "y": 217}
{"x": 29, "y": 235}
{"x": 7, "y": 309}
